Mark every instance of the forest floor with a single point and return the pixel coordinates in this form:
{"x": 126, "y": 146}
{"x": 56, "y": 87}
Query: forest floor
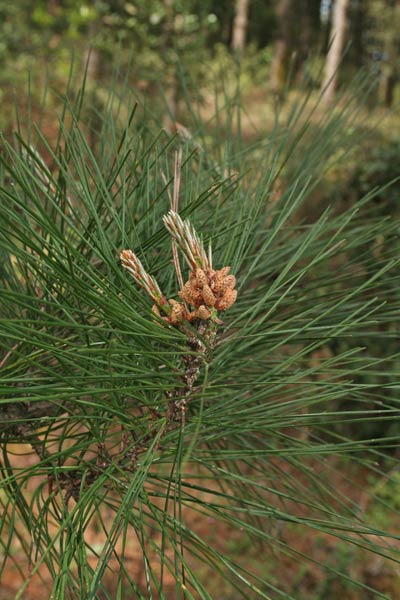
{"x": 307, "y": 564}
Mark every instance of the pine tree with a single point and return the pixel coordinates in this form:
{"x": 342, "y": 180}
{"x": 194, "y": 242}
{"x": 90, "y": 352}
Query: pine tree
{"x": 162, "y": 403}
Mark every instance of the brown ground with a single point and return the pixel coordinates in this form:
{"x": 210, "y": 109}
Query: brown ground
{"x": 300, "y": 578}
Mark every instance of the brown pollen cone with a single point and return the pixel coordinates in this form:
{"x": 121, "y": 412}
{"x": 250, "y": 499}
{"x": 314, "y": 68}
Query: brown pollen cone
{"x": 206, "y": 289}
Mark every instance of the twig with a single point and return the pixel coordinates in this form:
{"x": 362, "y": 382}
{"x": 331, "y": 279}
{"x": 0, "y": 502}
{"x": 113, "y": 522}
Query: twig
{"x": 174, "y": 204}
{"x": 7, "y": 355}
{"x": 177, "y": 180}
{"x": 175, "y": 208}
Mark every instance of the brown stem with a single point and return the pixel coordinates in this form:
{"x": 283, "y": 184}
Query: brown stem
{"x": 192, "y": 362}
{"x": 7, "y": 355}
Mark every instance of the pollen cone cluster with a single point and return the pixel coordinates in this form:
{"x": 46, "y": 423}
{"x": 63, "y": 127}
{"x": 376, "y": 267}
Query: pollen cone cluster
{"x": 207, "y": 291}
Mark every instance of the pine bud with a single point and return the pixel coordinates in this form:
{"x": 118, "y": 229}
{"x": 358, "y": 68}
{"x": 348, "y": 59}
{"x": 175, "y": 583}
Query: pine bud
{"x": 229, "y": 282}
{"x": 177, "y": 312}
{"x": 203, "y": 312}
{"x": 227, "y": 299}
{"x": 156, "y": 310}
{"x": 208, "y": 296}
{"x": 201, "y": 277}
{"x": 186, "y": 293}
{"x": 219, "y": 279}
{"x": 223, "y": 272}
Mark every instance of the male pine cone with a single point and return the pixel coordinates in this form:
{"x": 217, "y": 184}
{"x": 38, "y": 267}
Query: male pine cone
{"x": 209, "y": 289}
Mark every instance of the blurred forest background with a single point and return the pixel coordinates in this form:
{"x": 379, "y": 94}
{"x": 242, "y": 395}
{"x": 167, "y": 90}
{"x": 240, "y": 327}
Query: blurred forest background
{"x": 166, "y": 41}
{"x": 182, "y": 60}
{"x": 183, "y": 57}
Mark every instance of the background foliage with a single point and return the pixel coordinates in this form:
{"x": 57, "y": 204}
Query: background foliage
{"x": 161, "y": 38}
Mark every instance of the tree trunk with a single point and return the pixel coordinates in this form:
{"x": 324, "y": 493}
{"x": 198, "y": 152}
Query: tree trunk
{"x": 337, "y": 38}
{"x": 297, "y": 30}
{"x": 389, "y": 71}
{"x": 357, "y": 26}
{"x": 305, "y": 30}
{"x": 239, "y": 29}
{"x": 284, "y": 45}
